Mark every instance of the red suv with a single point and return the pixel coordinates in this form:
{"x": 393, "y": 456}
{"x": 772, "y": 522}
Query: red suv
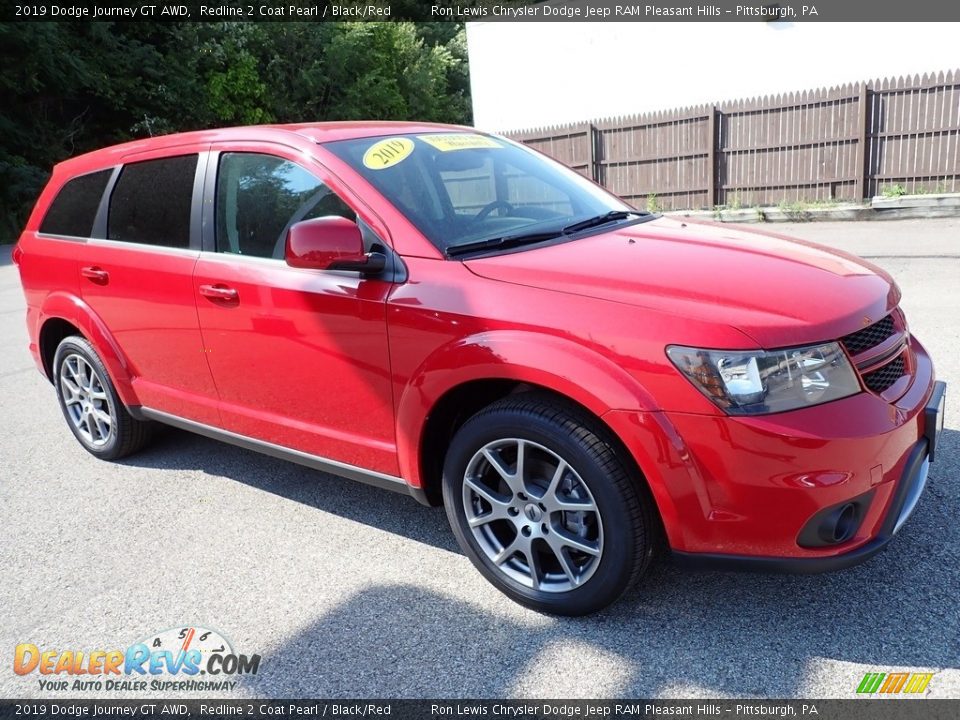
{"x": 452, "y": 315}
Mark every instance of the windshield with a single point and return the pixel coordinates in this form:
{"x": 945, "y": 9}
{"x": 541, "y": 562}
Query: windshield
{"x": 465, "y": 188}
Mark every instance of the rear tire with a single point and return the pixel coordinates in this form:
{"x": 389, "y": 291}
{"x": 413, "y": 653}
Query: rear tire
{"x": 544, "y": 505}
{"x": 90, "y": 404}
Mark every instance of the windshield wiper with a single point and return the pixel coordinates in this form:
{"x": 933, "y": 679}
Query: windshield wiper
{"x": 509, "y": 241}
{"x": 506, "y": 241}
{"x": 601, "y": 220}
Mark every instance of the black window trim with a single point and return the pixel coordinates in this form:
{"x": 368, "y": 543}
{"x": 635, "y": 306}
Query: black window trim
{"x": 104, "y": 194}
{"x": 208, "y": 217}
{"x": 100, "y": 219}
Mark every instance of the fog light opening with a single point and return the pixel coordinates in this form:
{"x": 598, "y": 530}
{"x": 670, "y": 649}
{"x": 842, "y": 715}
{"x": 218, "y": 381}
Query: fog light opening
{"x": 846, "y": 523}
{"x": 835, "y": 524}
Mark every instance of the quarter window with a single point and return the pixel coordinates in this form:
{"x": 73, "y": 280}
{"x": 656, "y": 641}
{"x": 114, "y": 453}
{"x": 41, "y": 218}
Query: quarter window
{"x": 74, "y": 208}
{"x": 259, "y": 197}
{"x": 151, "y": 202}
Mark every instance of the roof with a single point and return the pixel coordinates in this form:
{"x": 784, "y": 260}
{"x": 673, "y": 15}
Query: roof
{"x": 319, "y": 132}
{"x": 327, "y": 132}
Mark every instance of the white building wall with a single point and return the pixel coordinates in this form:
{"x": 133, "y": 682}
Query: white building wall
{"x": 527, "y": 75}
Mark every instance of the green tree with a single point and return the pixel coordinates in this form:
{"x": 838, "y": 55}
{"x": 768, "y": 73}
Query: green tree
{"x": 72, "y": 87}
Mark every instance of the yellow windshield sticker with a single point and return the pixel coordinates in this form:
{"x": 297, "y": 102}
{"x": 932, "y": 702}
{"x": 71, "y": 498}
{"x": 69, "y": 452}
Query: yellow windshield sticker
{"x": 387, "y": 153}
{"x": 459, "y": 141}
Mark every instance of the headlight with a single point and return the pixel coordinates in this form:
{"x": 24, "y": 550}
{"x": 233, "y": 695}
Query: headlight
{"x": 757, "y": 382}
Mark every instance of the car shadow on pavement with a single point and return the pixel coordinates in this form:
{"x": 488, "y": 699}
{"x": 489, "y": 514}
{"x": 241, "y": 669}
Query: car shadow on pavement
{"x": 392, "y": 512}
{"x": 6, "y": 255}
{"x": 685, "y": 635}
{"x": 680, "y": 633}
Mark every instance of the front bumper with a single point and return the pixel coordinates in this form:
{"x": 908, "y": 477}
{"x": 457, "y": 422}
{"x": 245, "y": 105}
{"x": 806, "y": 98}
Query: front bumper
{"x": 905, "y": 496}
{"x": 739, "y": 492}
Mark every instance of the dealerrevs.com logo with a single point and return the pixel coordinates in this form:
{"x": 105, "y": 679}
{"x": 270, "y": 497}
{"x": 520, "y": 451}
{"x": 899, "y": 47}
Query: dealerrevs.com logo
{"x": 178, "y": 659}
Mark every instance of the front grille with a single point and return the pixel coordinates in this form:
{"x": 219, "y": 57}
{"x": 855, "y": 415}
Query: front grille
{"x": 869, "y": 337}
{"x": 881, "y": 379}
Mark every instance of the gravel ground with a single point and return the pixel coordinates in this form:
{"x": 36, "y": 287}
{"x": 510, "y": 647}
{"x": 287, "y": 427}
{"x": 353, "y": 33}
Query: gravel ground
{"x": 345, "y": 590}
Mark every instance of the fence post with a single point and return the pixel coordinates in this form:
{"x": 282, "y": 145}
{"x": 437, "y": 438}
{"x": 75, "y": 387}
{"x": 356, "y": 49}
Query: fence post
{"x": 596, "y": 153}
{"x": 712, "y": 169}
{"x": 863, "y": 156}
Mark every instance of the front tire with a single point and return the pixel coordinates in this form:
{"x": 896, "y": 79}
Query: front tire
{"x": 544, "y": 505}
{"x": 90, "y": 404}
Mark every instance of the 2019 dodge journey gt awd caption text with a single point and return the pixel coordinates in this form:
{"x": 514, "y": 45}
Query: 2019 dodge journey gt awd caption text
{"x": 453, "y": 315}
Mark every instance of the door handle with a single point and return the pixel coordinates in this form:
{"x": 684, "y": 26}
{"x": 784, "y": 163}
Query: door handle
{"x": 218, "y": 292}
{"x": 97, "y": 274}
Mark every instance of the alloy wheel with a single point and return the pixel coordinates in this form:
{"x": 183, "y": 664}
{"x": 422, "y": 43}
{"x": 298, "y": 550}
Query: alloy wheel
{"x": 532, "y": 515}
{"x": 88, "y": 406}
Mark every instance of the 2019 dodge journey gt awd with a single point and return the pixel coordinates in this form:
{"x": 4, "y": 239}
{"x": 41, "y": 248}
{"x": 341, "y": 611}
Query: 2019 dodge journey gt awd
{"x": 453, "y": 315}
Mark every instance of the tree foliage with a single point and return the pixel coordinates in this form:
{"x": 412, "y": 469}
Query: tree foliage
{"x": 72, "y": 87}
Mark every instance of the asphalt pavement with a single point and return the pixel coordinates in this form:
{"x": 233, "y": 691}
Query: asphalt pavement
{"x": 346, "y": 590}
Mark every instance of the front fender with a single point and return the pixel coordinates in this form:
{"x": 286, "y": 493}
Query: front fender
{"x": 549, "y": 361}
{"x": 69, "y": 307}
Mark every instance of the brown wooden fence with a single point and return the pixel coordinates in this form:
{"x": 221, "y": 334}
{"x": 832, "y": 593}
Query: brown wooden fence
{"x": 846, "y": 143}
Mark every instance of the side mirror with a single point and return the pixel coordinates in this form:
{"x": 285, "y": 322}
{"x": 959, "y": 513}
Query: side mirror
{"x": 330, "y": 243}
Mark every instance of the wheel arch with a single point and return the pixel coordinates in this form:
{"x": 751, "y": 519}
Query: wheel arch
{"x": 52, "y": 333}
{"x": 63, "y": 315}
{"x": 463, "y": 378}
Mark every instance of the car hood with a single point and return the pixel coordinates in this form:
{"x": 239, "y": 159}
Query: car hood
{"x": 775, "y": 289}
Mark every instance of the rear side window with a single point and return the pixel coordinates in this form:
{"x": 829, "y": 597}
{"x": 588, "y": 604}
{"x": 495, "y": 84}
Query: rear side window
{"x": 151, "y": 201}
{"x": 74, "y": 208}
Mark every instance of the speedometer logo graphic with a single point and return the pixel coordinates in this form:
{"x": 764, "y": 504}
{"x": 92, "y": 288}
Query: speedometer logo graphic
{"x": 179, "y": 640}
